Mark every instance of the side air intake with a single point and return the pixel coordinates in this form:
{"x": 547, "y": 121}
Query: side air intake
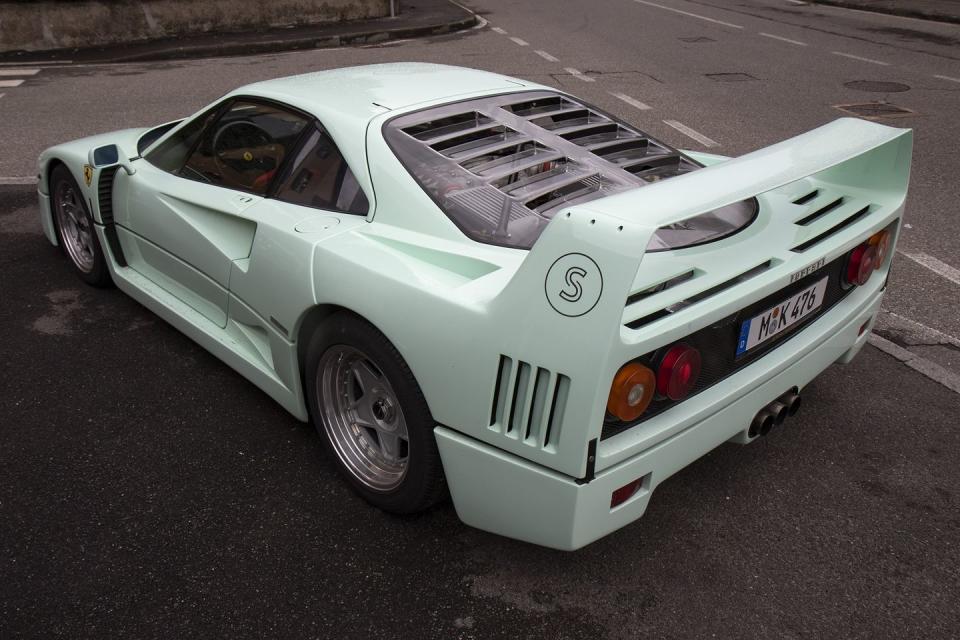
{"x": 528, "y": 403}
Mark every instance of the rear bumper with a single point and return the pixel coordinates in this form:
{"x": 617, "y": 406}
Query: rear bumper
{"x": 505, "y": 494}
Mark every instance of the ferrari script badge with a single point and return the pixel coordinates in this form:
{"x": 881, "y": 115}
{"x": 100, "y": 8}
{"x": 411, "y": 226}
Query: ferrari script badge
{"x": 87, "y": 174}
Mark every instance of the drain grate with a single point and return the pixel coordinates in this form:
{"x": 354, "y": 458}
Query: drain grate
{"x": 730, "y": 77}
{"x": 697, "y": 39}
{"x": 874, "y": 110}
{"x": 877, "y": 86}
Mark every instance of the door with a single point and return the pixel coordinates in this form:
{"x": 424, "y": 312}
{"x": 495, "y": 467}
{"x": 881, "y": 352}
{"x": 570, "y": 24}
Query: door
{"x": 184, "y": 216}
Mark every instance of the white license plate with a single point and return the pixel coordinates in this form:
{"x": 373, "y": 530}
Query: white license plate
{"x": 781, "y": 317}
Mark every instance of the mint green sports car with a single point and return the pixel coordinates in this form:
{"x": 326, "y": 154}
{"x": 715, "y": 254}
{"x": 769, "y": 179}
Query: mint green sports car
{"x": 480, "y": 286}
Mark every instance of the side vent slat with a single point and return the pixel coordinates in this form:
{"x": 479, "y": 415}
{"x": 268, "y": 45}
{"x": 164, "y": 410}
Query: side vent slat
{"x": 846, "y": 222}
{"x": 807, "y": 198}
{"x": 819, "y": 213}
{"x": 528, "y": 403}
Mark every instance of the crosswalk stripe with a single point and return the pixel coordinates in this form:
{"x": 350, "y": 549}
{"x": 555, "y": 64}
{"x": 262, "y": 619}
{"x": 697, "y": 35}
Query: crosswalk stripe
{"x": 19, "y": 72}
{"x": 10, "y": 83}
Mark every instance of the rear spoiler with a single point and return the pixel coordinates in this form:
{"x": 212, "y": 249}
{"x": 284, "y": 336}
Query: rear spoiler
{"x": 592, "y": 252}
{"x": 848, "y": 151}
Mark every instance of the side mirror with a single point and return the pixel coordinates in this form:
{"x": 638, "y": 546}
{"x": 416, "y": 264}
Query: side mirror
{"x": 109, "y": 156}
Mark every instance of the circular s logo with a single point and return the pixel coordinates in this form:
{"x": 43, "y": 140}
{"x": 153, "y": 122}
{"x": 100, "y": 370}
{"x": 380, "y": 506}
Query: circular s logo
{"x": 573, "y": 285}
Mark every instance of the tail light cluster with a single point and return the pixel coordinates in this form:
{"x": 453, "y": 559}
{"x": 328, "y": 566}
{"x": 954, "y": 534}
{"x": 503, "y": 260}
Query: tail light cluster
{"x": 635, "y": 385}
{"x": 866, "y": 258}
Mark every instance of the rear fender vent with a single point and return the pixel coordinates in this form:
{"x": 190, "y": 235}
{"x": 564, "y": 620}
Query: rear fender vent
{"x": 528, "y": 403}
{"x": 819, "y": 213}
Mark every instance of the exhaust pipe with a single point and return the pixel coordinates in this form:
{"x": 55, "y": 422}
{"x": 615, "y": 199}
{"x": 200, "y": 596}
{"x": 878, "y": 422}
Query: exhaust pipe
{"x": 761, "y": 425}
{"x": 779, "y": 410}
{"x": 792, "y": 401}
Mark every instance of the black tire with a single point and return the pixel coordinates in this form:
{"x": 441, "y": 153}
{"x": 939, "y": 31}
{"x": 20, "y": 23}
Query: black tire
{"x": 422, "y": 484}
{"x": 95, "y": 272}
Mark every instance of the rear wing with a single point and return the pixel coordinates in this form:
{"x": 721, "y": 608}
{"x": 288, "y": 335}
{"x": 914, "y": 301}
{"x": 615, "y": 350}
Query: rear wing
{"x": 571, "y": 307}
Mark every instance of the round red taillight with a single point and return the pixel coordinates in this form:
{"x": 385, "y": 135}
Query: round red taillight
{"x": 678, "y": 372}
{"x": 861, "y": 263}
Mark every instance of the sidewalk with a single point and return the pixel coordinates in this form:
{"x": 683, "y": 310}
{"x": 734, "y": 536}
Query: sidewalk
{"x": 941, "y": 10}
{"x": 418, "y": 18}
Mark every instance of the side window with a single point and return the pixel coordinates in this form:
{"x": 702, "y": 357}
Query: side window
{"x": 172, "y": 153}
{"x": 245, "y": 147}
{"x": 320, "y": 178}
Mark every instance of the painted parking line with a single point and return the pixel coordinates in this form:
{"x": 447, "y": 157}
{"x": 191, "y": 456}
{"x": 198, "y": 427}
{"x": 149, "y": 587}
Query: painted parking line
{"x": 579, "y": 75}
{"x": 19, "y": 72}
{"x": 498, "y": 30}
{"x": 687, "y": 13}
{"x": 519, "y": 41}
{"x": 860, "y": 58}
{"x": 939, "y": 267}
{"x": 633, "y": 102}
{"x": 690, "y": 133}
{"x": 782, "y": 39}
{"x": 919, "y": 364}
{"x": 947, "y": 78}
{"x": 546, "y": 56}
{"x": 10, "y": 83}
{"x": 17, "y": 181}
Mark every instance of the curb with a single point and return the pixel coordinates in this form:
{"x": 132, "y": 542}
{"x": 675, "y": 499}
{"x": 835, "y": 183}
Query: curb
{"x": 903, "y": 12}
{"x": 239, "y": 48}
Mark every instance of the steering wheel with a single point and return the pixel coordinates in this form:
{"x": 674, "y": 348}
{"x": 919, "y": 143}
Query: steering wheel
{"x": 246, "y": 149}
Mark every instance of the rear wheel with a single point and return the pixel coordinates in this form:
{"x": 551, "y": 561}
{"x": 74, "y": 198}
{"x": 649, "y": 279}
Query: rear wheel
{"x": 75, "y": 231}
{"x": 369, "y": 408}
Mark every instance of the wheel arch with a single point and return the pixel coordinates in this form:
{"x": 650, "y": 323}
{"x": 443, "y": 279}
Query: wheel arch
{"x": 313, "y": 318}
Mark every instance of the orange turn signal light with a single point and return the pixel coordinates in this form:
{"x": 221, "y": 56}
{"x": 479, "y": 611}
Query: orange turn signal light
{"x": 632, "y": 391}
{"x": 880, "y": 240}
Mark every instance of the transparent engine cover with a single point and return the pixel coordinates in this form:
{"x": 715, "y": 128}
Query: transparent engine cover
{"x": 501, "y": 167}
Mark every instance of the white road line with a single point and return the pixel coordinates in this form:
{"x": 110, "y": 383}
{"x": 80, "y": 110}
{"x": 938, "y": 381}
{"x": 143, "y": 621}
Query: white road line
{"x": 2, "y": 94}
{"x": 18, "y": 181}
{"x": 10, "y": 83}
{"x": 687, "y": 13}
{"x": 633, "y": 102}
{"x": 499, "y": 30}
{"x": 687, "y": 131}
{"x": 519, "y": 41}
{"x": 578, "y": 74}
{"x": 546, "y": 56}
{"x": 948, "y": 78}
{"x": 19, "y": 72}
{"x": 942, "y": 269}
{"x": 797, "y": 2}
{"x": 921, "y": 365}
{"x": 782, "y": 39}
{"x": 38, "y": 63}
{"x": 853, "y": 57}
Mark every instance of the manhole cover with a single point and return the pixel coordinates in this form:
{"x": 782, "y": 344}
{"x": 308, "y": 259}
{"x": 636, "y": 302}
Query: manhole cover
{"x": 697, "y": 39}
{"x": 876, "y": 86}
{"x": 730, "y": 77}
{"x": 873, "y": 110}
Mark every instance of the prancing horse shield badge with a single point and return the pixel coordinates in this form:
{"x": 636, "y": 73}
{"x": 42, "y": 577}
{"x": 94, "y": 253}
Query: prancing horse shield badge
{"x": 87, "y": 174}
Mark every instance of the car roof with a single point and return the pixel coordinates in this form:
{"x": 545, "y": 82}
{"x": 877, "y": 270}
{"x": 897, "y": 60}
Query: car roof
{"x": 364, "y": 92}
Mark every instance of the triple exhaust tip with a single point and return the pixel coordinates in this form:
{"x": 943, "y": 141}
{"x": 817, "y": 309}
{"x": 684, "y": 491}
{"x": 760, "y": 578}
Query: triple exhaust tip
{"x": 774, "y": 414}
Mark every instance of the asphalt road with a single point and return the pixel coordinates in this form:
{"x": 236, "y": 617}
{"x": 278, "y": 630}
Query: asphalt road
{"x": 148, "y": 491}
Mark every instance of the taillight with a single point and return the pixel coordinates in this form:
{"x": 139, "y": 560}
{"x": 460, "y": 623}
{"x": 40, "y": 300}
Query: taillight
{"x": 880, "y": 240}
{"x": 861, "y": 263}
{"x": 678, "y": 372}
{"x": 631, "y": 392}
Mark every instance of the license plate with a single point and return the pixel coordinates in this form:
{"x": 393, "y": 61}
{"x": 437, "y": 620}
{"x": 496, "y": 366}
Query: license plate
{"x": 781, "y": 317}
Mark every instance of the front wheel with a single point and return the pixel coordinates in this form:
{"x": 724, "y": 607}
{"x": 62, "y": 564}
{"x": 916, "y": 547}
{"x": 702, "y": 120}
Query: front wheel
{"x": 369, "y": 408}
{"x": 75, "y": 230}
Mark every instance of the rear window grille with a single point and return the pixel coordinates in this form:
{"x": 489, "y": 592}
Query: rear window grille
{"x": 528, "y": 403}
{"x": 846, "y": 222}
{"x": 662, "y": 286}
{"x": 519, "y": 158}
